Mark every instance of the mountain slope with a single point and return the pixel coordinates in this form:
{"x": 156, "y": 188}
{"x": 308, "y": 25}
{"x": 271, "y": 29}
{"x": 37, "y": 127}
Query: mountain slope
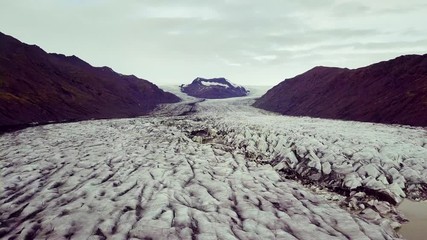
{"x": 39, "y": 87}
{"x": 393, "y": 92}
{"x": 213, "y": 88}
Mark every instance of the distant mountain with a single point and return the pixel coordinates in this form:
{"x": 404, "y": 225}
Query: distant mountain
{"x": 393, "y": 92}
{"x": 213, "y": 88}
{"x": 39, "y": 87}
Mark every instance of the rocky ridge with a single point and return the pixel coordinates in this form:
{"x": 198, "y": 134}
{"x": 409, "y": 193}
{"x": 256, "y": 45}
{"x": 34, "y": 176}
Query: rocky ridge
{"x": 392, "y": 92}
{"x": 37, "y": 87}
{"x": 213, "y": 88}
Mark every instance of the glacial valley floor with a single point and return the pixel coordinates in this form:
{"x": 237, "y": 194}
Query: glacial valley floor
{"x": 215, "y": 169}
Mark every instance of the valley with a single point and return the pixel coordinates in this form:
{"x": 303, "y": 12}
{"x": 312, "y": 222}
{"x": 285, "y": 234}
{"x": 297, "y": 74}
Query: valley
{"x": 222, "y": 170}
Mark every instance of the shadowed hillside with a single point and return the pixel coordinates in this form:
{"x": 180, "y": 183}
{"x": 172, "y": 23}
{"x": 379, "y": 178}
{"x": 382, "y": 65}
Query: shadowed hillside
{"x": 392, "y": 92}
{"x": 39, "y": 87}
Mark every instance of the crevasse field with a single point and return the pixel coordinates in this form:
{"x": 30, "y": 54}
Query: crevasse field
{"x": 214, "y": 169}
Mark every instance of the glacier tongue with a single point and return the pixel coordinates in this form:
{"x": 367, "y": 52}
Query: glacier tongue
{"x": 386, "y": 160}
{"x": 214, "y": 174}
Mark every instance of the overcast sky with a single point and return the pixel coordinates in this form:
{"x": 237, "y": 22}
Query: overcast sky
{"x": 247, "y": 41}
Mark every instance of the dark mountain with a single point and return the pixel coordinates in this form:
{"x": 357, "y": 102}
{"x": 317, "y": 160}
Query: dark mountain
{"x": 213, "y": 88}
{"x": 393, "y": 92}
{"x": 39, "y": 87}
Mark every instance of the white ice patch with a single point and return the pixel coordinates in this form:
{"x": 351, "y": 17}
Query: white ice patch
{"x": 208, "y": 84}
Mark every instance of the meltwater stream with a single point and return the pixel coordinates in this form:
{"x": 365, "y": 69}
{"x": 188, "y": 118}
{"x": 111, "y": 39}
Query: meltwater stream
{"x": 416, "y": 212}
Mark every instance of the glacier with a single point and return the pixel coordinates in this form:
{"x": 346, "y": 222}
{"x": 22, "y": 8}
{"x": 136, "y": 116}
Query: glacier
{"x": 210, "y": 169}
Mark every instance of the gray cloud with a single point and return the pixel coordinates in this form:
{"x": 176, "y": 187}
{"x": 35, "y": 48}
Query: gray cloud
{"x": 249, "y": 42}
